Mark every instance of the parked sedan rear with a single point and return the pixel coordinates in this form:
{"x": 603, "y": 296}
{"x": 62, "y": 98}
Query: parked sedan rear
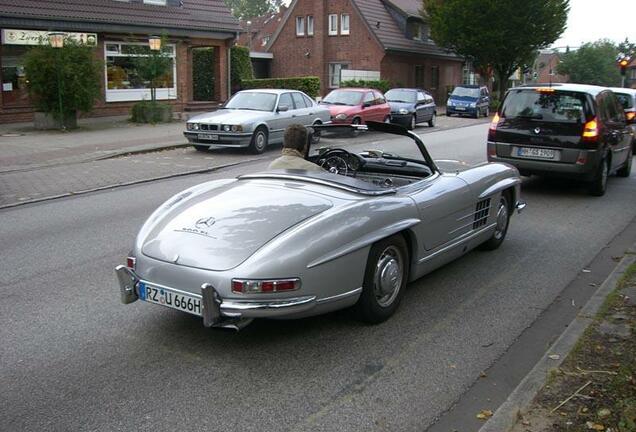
{"x": 570, "y": 130}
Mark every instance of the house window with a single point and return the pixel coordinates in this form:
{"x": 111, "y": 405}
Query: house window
{"x": 123, "y": 82}
{"x": 300, "y": 26}
{"x": 416, "y": 30}
{"x": 333, "y": 24}
{"x": 633, "y": 72}
{"x": 334, "y": 73}
{"x": 344, "y": 24}
{"x": 419, "y": 76}
{"x": 310, "y": 25}
{"x": 265, "y": 40}
{"x": 156, "y": 2}
{"x": 435, "y": 77}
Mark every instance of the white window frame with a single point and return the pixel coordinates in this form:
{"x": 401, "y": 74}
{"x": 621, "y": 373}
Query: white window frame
{"x": 333, "y": 19}
{"x": 345, "y": 18}
{"x": 156, "y": 2}
{"x": 332, "y": 75}
{"x": 310, "y": 25}
{"x": 126, "y": 95}
{"x": 300, "y": 26}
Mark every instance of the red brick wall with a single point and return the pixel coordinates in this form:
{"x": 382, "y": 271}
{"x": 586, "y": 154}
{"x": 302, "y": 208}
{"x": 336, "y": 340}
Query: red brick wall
{"x": 359, "y": 48}
{"x": 184, "y": 80}
{"x": 400, "y": 70}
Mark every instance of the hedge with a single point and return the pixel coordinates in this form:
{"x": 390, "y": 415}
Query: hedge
{"x": 381, "y": 85}
{"x": 203, "y": 79}
{"x": 309, "y": 85}
{"x": 241, "y": 66}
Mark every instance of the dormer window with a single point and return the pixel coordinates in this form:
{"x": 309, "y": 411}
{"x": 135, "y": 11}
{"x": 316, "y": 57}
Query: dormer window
{"x": 418, "y": 31}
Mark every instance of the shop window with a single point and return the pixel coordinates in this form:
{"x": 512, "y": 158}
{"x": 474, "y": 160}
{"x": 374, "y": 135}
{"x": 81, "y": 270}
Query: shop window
{"x": 310, "y": 25}
{"x": 123, "y": 82}
{"x": 333, "y": 24}
{"x": 344, "y": 24}
{"x": 334, "y": 73}
{"x": 14, "y": 80}
{"x": 300, "y": 26}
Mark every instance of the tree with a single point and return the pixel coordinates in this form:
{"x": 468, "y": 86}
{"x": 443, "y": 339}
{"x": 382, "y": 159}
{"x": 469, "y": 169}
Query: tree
{"x": 499, "y": 34}
{"x": 244, "y": 9}
{"x": 64, "y": 80}
{"x": 628, "y": 48}
{"x": 152, "y": 65}
{"x": 593, "y": 63}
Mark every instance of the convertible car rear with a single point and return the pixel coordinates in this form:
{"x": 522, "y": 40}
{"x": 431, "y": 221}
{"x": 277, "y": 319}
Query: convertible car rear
{"x": 290, "y": 244}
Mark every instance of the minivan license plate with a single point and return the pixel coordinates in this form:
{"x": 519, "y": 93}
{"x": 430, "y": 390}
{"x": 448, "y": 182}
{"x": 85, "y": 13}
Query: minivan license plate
{"x": 172, "y": 299}
{"x": 536, "y": 153}
{"x": 211, "y": 137}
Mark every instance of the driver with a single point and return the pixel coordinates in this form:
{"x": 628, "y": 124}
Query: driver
{"x": 295, "y": 146}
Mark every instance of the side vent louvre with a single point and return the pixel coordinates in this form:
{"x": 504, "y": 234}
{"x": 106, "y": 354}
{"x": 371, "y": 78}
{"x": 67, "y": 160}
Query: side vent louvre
{"x": 481, "y": 213}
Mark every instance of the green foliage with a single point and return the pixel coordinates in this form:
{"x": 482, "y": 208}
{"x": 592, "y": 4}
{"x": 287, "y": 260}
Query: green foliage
{"x": 203, "y": 74}
{"x": 502, "y": 34}
{"x": 592, "y": 63}
{"x": 309, "y": 85}
{"x": 241, "y": 66}
{"x": 71, "y": 74}
{"x": 628, "y": 48}
{"x": 150, "y": 112}
{"x": 381, "y": 85}
{"x": 244, "y": 9}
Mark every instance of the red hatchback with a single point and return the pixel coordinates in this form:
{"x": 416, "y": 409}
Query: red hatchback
{"x": 357, "y": 106}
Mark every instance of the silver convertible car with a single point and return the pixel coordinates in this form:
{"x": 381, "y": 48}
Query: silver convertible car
{"x": 254, "y": 119}
{"x": 293, "y": 243}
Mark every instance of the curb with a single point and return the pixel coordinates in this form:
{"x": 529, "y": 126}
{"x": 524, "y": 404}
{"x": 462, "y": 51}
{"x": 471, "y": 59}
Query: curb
{"x": 506, "y": 416}
{"x": 134, "y": 182}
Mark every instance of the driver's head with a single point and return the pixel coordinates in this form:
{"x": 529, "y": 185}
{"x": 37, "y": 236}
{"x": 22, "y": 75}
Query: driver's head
{"x": 295, "y": 137}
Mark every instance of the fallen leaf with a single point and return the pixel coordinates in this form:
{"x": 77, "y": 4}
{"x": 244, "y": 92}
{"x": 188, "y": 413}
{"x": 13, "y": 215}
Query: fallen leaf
{"x": 525, "y": 422}
{"x": 595, "y": 426}
{"x": 585, "y": 409}
{"x": 554, "y": 357}
{"x": 484, "y": 414}
{"x": 482, "y": 375}
{"x": 603, "y": 413}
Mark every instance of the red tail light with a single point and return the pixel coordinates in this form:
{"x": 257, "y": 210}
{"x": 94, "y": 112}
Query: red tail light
{"x": 590, "y": 131}
{"x": 495, "y": 122}
{"x": 130, "y": 262}
{"x": 630, "y": 115}
{"x": 244, "y": 286}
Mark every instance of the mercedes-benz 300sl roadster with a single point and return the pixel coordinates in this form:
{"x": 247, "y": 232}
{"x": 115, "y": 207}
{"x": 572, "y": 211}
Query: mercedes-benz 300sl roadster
{"x": 290, "y": 244}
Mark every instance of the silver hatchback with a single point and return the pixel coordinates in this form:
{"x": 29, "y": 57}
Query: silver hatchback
{"x": 254, "y": 119}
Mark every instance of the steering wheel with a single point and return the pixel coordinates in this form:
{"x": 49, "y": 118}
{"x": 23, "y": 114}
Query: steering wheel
{"x": 340, "y": 161}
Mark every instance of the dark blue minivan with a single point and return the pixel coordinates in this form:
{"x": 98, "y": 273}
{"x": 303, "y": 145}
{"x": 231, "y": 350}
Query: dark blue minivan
{"x": 472, "y": 100}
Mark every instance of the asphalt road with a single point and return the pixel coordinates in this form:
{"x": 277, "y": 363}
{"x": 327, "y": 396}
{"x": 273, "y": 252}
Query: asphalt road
{"x": 73, "y": 358}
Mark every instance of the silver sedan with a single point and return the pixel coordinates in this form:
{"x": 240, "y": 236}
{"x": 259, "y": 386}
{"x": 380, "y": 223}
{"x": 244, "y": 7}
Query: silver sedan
{"x": 254, "y": 119}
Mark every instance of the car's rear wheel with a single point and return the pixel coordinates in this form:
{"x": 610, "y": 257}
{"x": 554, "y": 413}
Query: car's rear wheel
{"x": 598, "y": 185}
{"x": 431, "y": 122}
{"x": 259, "y": 141}
{"x": 627, "y": 168}
{"x": 501, "y": 228}
{"x": 385, "y": 279}
{"x": 201, "y": 148}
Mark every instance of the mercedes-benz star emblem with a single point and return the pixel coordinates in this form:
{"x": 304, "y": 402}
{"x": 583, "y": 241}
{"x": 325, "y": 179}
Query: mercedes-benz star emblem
{"x": 537, "y": 130}
{"x": 205, "y": 222}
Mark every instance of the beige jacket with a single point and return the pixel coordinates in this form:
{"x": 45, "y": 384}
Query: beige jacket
{"x": 293, "y": 159}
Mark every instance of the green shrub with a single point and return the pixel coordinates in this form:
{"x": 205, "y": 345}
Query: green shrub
{"x": 203, "y": 78}
{"x": 241, "y": 66}
{"x": 493, "y": 104}
{"x": 309, "y": 85}
{"x": 150, "y": 112}
{"x": 63, "y": 81}
{"x": 381, "y": 85}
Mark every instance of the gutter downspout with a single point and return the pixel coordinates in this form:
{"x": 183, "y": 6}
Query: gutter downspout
{"x": 229, "y": 68}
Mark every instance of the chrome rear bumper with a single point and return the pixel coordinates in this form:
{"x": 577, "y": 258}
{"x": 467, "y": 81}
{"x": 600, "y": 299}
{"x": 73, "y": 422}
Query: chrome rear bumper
{"x": 219, "y": 312}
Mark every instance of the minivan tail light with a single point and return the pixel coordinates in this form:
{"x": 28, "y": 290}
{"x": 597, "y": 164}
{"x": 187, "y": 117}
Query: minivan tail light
{"x": 590, "y": 130}
{"x": 630, "y": 115}
{"x": 246, "y": 286}
{"x": 495, "y": 122}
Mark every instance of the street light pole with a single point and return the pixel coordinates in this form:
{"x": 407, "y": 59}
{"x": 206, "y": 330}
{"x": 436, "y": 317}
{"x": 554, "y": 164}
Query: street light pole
{"x": 154, "y": 42}
{"x": 56, "y": 40}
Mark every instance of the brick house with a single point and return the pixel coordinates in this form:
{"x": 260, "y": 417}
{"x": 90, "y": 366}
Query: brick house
{"x": 366, "y": 39}
{"x": 192, "y": 27}
{"x": 257, "y": 32}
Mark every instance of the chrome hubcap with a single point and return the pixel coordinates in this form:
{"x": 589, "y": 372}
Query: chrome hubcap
{"x": 260, "y": 140}
{"x": 502, "y": 220}
{"x": 388, "y": 276}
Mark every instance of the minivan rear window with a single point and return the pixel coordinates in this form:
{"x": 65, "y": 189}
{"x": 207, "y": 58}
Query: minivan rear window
{"x": 552, "y": 106}
{"x": 626, "y": 100}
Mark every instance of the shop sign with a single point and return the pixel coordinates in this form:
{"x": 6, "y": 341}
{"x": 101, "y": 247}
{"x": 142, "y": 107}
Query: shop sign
{"x": 37, "y": 37}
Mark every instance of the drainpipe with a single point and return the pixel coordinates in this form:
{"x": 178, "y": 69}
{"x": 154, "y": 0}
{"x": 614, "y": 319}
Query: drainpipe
{"x": 229, "y": 67}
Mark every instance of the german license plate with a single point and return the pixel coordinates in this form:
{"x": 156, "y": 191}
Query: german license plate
{"x": 211, "y": 137}
{"x": 536, "y": 153}
{"x": 459, "y": 108}
{"x": 170, "y": 298}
